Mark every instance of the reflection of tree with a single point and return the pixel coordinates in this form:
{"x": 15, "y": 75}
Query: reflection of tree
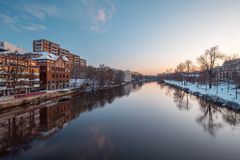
{"x": 181, "y": 99}
{"x": 136, "y": 86}
{"x": 211, "y": 115}
{"x": 231, "y": 117}
{"x": 208, "y": 120}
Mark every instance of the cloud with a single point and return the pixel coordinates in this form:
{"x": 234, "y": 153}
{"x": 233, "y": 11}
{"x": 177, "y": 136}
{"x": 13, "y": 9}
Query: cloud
{"x": 9, "y": 21}
{"x": 16, "y": 23}
{"x": 26, "y": 16}
{"x": 100, "y": 14}
{"x": 41, "y": 11}
{"x": 34, "y": 27}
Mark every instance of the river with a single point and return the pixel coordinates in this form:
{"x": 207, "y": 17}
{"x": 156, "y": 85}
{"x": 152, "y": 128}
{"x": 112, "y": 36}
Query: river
{"x": 134, "y": 122}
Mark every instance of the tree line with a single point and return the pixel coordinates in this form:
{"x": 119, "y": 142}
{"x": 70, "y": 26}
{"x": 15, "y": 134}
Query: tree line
{"x": 206, "y": 72}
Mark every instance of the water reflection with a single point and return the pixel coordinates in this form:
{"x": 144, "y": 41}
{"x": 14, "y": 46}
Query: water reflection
{"x": 182, "y": 100}
{"x": 211, "y": 117}
{"x": 20, "y": 127}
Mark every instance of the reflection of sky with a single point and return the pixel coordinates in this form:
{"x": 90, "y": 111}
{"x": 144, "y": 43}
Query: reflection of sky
{"x": 146, "y": 36}
{"x": 147, "y": 124}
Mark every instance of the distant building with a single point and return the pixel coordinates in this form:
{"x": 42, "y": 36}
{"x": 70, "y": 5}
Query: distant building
{"x": 18, "y": 75}
{"x": 75, "y": 63}
{"x": 54, "y": 71}
{"x": 127, "y": 76}
{"x": 6, "y": 47}
{"x": 83, "y": 64}
{"x": 229, "y": 70}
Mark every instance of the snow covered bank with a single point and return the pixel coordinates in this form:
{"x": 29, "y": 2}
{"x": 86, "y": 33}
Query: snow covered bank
{"x": 76, "y": 82}
{"x": 220, "y": 96}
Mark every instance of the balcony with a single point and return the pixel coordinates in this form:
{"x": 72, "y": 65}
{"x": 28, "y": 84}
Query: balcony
{"x": 22, "y": 79}
{"x": 35, "y": 79}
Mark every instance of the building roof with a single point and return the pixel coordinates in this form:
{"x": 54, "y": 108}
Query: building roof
{"x": 65, "y": 58}
{"x": 2, "y": 49}
{"x": 232, "y": 62}
{"x": 49, "y": 56}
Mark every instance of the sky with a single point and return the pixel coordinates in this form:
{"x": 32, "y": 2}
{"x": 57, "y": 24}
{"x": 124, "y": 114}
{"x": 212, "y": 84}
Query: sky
{"x": 147, "y": 36}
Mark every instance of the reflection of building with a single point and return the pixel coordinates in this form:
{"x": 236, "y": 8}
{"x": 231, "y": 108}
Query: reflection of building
{"x": 18, "y": 75}
{"x": 8, "y": 47}
{"x": 54, "y": 116}
{"x": 54, "y": 71}
{"x": 127, "y": 89}
{"x": 18, "y": 129}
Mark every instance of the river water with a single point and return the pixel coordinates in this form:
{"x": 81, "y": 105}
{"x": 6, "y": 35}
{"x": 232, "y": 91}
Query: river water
{"x": 138, "y": 122}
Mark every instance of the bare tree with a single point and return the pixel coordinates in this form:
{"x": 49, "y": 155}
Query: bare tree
{"x": 209, "y": 60}
{"x": 188, "y": 67}
{"x": 180, "y": 71}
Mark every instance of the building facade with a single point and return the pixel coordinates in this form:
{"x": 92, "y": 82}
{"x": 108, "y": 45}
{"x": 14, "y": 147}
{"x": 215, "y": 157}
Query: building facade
{"x": 230, "y": 70}
{"x": 6, "y": 47}
{"x": 18, "y": 75}
{"x": 44, "y": 45}
{"x": 76, "y": 64}
{"x": 83, "y": 65}
{"x": 127, "y": 76}
{"x": 54, "y": 71}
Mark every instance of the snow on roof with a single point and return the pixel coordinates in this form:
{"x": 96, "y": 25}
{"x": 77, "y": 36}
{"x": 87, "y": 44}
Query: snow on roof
{"x": 65, "y": 58}
{"x": 232, "y": 62}
{"x": 46, "y": 56}
{"x": 49, "y": 56}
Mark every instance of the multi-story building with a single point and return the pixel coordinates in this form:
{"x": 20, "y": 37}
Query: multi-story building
{"x": 127, "y": 76}
{"x": 6, "y": 47}
{"x": 83, "y": 64}
{"x": 76, "y": 64}
{"x": 18, "y": 75}
{"x": 44, "y": 45}
{"x": 229, "y": 70}
{"x": 54, "y": 71}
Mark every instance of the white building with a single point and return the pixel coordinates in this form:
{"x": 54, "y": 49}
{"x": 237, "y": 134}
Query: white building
{"x": 127, "y": 76}
{"x": 8, "y": 47}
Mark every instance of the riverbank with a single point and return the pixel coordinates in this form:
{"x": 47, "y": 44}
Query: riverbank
{"x": 220, "y": 96}
{"x": 11, "y": 102}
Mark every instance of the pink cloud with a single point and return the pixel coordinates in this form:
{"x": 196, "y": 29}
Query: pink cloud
{"x": 101, "y": 16}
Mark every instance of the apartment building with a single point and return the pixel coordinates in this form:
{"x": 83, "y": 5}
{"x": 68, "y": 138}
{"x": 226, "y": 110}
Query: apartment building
{"x": 45, "y": 45}
{"x": 54, "y": 71}
{"x": 127, "y": 76}
{"x": 18, "y": 75}
{"x": 75, "y": 63}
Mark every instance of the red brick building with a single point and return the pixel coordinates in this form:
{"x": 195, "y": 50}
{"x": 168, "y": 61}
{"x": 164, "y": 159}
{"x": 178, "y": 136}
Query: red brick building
{"x": 54, "y": 71}
{"x": 18, "y": 75}
{"x": 76, "y": 64}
